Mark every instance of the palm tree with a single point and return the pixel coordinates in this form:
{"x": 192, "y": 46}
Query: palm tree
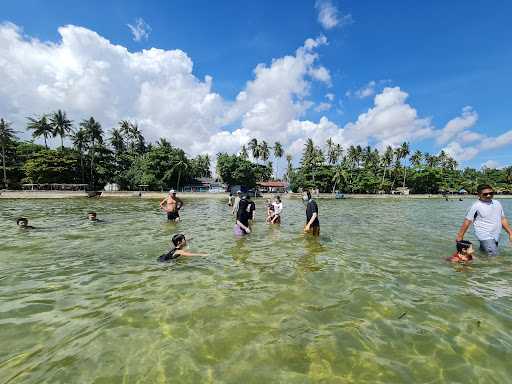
{"x": 264, "y": 151}
{"x": 289, "y": 168}
{"x": 508, "y": 174}
{"x": 7, "y": 134}
{"x": 116, "y": 139}
{"x": 254, "y": 148}
{"x": 61, "y": 125}
{"x": 416, "y": 158}
{"x": 41, "y": 127}
{"x": 94, "y": 134}
{"x": 181, "y": 164}
{"x": 164, "y": 143}
{"x": 243, "y": 153}
{"x": 125, "y": 129}
{"x": 340, "y": 176}
{"x": 404, "y": 152}
{"x": 278, "y": 154}
{"x": 386, "y": 161}
{"x": 80, "y": 141}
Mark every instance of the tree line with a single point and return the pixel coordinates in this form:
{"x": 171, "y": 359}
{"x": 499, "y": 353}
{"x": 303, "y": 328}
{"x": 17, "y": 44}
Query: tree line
{"x": 94, "y": 157}
{"x": 123, "y": 156}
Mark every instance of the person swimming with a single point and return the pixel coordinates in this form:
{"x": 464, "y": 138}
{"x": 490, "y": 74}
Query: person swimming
{"x": 179, "y": 242}
{"x": 464, "y": 252}
{"x": 91, "y": 216}
{"x": 22, "y": 223}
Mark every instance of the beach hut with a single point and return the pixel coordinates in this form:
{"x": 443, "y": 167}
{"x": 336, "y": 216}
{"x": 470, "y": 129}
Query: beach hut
{"x": 273, "y": 186}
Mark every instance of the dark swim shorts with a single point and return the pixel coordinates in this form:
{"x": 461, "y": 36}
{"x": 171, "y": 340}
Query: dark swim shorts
{"x": 172, "y": 216}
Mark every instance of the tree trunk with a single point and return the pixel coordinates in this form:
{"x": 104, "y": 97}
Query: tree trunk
{"x": 3, "y": 164}
{"x": 61, "y": 142}
{"x": 45, "y": 145}
{"x": 92, "y": 167}
{"x": 405, "y": 173}
{"x": 178, "y": 185}
{"x": 82, "y": 167}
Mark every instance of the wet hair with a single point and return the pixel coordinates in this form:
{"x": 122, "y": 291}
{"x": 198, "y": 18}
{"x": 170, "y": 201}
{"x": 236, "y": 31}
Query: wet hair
{"x": 21, "y": 219}
{"x": 307, "y": 192}
{"x": 481, "y": 187}
{"x": 91, "y": 213}
{"x": 178, "y": 238}
{"x": 463, "y": 245}
{"x": 278, "y": 198}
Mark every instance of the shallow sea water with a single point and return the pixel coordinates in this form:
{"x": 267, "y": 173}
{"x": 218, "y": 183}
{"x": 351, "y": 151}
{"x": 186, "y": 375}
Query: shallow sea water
{"x": 371, "y": 301}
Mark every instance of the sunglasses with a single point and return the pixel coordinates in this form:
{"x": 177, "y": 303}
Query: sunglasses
{"x": 489, "y": 194}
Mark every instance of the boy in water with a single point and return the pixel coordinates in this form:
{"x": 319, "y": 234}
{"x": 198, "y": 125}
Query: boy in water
{"x": 92, "y": 216}
{"x": 242, "y": 218}
{"x": 22, "y": 223}
{"x": 179, "y": 242}
{"x": 278, "y": 209}
{"x": 312, "y": 223}
{"x": 172, "y": 205}
{"x": 464, "y": 253}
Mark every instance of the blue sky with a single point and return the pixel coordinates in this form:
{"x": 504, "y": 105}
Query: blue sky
{"x": 444, "y": 55}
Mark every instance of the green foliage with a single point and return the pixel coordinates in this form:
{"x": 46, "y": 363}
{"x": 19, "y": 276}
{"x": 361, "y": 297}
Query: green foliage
{"x": 235, "y": 170}
{"x": 51, "y": 166}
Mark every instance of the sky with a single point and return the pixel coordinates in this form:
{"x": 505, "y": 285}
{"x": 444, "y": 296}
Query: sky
{"x": 209, "y": 76}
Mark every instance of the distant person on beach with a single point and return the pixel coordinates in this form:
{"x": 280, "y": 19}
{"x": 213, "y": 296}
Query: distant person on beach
{"x": 278, "y": 209}
{"x": 179, "y": 242}
{"x": 312, "y": 223}
{"x": 22, "y": 223}
{"x": 464, "y": 252}
{"x": 242, "y": 218}
{"x": 488, "y": 218}
{"x": 172, "y": 205}
{"x": 234, "y": 211}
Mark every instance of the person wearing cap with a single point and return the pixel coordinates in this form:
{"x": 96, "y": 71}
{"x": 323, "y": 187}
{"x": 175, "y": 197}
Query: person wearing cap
{"x": 172, "y": 205}
{"x": 488, "y": 218}
{"x": 234, "y": 211}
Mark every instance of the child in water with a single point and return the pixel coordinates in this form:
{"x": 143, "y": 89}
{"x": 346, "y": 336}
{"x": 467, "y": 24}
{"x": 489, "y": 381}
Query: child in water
{"x": 179, "y": 242}
{"x": 22, "y": 223}
{"x": 464, "y": 253}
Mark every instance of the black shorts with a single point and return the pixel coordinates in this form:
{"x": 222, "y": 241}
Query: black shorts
{"x": 172, "y": 216}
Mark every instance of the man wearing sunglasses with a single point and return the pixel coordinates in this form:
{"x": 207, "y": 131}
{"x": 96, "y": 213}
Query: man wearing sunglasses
{"x": 488, "y": 219}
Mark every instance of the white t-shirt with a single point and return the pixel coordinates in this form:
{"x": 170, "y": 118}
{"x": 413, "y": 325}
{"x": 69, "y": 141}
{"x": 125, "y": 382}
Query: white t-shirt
{"x": 278, "y": 208}
{"x": 486, "y": 218}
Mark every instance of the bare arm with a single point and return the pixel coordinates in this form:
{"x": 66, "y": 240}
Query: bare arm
{"x": 311, "y": 221}
{"x": 186, "y": 253}
{"x": 506, "y": 227}
{"x": 163, "y": 202}
{"x": 463, "y": 229}
{"x": 246, "y": 229}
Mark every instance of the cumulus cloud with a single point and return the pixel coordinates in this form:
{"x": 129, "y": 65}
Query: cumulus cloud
{"x": 390, "y": 121}
{"x": 491, "y": 164}
{"x": 329, "y": 16}
{"x": 323, "y": 107}
{"x": 485, "y": 143}
{"x": 140, "y": 30}
{"x": 466, "y": 120}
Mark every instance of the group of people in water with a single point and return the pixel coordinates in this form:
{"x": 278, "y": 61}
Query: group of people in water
{"x": 486, "y": 215}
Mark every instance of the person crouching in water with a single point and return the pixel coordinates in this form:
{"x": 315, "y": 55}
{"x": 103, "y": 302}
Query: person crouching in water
{"x": 464, "y": 253}
{"x": 22, "y": 223}
{"x": 242, "y": 218}
{"x": 278, "y": 209}
{"x": 179, "y": 242}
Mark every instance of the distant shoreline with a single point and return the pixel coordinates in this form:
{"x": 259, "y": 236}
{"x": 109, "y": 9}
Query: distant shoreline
{"x": 219, "y": 196}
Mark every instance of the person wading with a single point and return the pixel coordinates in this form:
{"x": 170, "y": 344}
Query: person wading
{"x": 172, "y": 205}
{"x": 488, "y": 218}
{"x": 312, "y": 223}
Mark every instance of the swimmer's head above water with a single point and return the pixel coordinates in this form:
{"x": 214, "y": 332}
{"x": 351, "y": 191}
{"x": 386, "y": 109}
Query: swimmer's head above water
{"x": 22, "y": 222}
{"x": 91, "y": 216}
{"x": 179, "y": 240}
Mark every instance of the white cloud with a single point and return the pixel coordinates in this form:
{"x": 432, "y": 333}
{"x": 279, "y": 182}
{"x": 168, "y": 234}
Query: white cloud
{"x": 460, "y": 153}
{"x": 140, "y": 30}
{"x": 491, "y": 164}
{"x": 390, "y": 121}
{"x": 457, "y": 125}
{"x": 323, "y": 107}
{"x": 486, "y": 143}
{"x": 470, "y": 136}
{"x": 366, "y": 91}
{"x": 329, "y": 16}
{"x": 330, "y": 96}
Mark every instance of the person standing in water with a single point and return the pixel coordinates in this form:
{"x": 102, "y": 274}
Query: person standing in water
{"x": 234, "y": 211}
{"x": 312, "y": 223}
{"x": 172, "y": 205}
{"x": 242, "y": 218}
{"x": 488, "y": 218}
{"x": 278, "y": 209}
{"x": 252, "y": 209}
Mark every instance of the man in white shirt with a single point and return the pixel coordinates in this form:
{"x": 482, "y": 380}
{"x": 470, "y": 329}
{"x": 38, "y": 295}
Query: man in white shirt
{"x": 488, "y": 219}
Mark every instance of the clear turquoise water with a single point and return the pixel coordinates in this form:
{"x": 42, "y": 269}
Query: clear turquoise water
{"x": 371, "y": 301}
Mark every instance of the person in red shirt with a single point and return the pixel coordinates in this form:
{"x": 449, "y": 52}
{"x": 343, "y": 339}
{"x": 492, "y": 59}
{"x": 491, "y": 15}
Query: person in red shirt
{"x": 464, "y": 253}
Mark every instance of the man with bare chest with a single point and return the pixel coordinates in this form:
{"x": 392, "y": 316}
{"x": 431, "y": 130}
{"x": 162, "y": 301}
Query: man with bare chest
{"x": 172, "y": 205}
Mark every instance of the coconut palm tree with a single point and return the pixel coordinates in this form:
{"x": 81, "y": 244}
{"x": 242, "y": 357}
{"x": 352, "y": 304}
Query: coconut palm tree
{"x": 340, "y": 176}
{"x": 404, "y": 151}
{"x": 61, "y": 125}
{"x": 289, "y": 168}
{"x": 40, "y": 127}
{"x": 243, "y": 153}
{"x": 7, "y": 134}
{"x": 278, "y": 154}
{"x": 80, "y": 141}
{"x": 181, "y": 164}
{"x": 416, "y": 158}
{"x": 254, "y": 147}
{"x": 264, "y": 151}
{"x": 117, "y": 141}
{"x": 386, "y": 160}
{"x": 94, "y": 134}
